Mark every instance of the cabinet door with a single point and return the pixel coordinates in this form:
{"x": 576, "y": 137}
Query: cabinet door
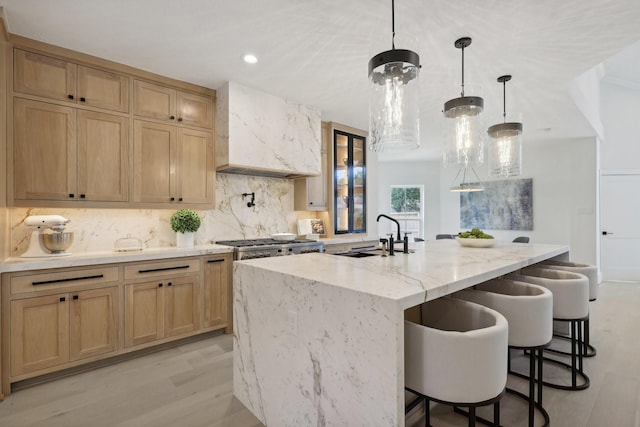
{"x": 103, "y": 89}
{"x": 182, "y": 305}
{"x": 103, "y": 141}
{"x": 144, "y": 313}
{"x": 39, "y": 333}
{"x": 196, "y": 166}
{"x": 44, "y": 155}
{"x": 93, "y": 323}
{"x": 41, "y": 75}
{"x": 216, "y": 283}
{"x": 154, "y": 153}
{"x": 194, "y": 110}
{"x": 154, "y": 101}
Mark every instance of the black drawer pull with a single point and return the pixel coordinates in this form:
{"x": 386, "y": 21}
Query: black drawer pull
{"x": 215, "y": 260}
{"x": 72, "y": 279}
{"x": 82, "y": 196}
{"x": 70, "y": 96}
{"x": 75, "y": 297}
{"x": 159, "y": 285}
{"x": 180, "y": 267}
{"x": 62, "y": 299}
{"x": 82, "y": 99}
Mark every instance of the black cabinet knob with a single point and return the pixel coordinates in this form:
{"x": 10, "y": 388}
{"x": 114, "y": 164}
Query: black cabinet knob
{"x": 172, "y": 117}
{"x": 75, "y": 297}
{"x": 169, "y": 284}
{"x": 82, "y": 99}
{"x": 70, "y": 96}
{"x": 172, "y": 199}
{"x": 180, "y": 199}
{"x": 82, "y": 196}
{"x": 159, "y": 285}
{"x": 179, "y": 119}
{"x": 71, "y": 195}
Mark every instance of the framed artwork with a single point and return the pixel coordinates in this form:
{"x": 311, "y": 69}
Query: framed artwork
{"x": 503, "y": 205}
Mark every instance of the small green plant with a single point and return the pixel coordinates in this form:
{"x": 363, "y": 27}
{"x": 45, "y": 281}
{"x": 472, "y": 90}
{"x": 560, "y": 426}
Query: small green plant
{"x": 185, "y": 221}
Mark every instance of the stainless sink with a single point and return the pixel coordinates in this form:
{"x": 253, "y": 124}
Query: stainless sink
{"x": 361, "y": 254}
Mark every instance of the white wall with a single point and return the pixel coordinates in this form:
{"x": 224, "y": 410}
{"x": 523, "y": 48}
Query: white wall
{"x": 564, "y": 196}
{"x": 409, "y": 173}
{"x": 621, "y": 147}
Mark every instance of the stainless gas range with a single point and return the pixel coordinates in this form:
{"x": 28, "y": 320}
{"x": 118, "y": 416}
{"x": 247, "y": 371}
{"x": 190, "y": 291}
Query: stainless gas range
{"x": 263, "y": 248}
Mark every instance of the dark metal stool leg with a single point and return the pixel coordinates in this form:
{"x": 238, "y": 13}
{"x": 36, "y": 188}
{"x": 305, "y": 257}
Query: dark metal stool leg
{"x": 496, "y": 414}
{"x": 472, "y": 416}
{"x": 427, "y": 412}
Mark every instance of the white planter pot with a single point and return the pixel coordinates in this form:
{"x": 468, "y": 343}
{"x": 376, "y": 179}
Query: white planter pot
{"x": 185, "y": 240}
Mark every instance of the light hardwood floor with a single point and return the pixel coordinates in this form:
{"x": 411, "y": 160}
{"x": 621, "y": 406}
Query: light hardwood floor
{"x": 191, "y": 385}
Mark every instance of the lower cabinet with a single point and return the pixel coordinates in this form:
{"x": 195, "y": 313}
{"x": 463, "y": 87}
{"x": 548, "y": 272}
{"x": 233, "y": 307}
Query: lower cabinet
{"x": 61, "y": 318}
{"x": 52, "y": 330}
{"x": 159, "y": 309}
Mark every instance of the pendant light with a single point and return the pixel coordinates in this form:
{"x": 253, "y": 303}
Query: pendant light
{"x": 505, "y": 148}
{"x": 393, "y": 98}
{"x": 463, "y": 139}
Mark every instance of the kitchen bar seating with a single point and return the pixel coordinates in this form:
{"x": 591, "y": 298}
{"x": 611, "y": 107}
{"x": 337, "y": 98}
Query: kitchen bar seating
{"x": 529, "y": 310}
{"x": 592, "y": 274}
{"x": 457, "y": 356}
{"x": 570, "y": 304}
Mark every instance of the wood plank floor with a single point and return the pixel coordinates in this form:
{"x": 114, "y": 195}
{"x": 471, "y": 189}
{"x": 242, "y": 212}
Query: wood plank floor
{"x": 191, "y": 385}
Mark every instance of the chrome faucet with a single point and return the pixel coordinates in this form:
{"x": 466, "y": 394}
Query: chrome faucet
{"x": 398, "y": 240}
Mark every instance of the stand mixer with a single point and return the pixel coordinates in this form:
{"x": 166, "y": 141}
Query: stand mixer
{"x": 52, "y": 244}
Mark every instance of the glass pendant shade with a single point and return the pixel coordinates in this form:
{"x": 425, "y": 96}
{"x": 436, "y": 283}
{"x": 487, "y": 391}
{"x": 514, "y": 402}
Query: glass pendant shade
{"x": 505, "y": 146}
{"x": 505, "y": 149}
{"x": 394, "y": 89}
{"x": 464, "y": 145}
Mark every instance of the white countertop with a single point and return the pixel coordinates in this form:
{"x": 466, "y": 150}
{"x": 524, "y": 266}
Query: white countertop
{"x": 14, "y": 264}
{"x": 437, "y": 268}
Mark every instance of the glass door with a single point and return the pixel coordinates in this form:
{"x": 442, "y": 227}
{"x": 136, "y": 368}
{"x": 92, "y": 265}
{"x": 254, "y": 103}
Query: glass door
{"x": 349, "y": 183}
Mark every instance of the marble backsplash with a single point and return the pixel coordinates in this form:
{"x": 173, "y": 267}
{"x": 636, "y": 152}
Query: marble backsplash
{"x": 98, "y": 229}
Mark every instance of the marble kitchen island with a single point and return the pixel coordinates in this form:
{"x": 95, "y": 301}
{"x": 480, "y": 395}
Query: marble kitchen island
{"x": 319, "y": 338}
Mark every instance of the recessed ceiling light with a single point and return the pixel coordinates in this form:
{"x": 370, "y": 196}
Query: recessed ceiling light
{"x": 250, "y": 59}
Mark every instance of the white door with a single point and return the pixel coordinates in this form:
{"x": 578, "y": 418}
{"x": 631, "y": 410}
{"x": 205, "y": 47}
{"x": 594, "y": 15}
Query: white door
{"x": 620, "y": 227}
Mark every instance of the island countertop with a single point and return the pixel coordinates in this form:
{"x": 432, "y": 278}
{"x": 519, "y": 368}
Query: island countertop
{"x": 319, "y": 338}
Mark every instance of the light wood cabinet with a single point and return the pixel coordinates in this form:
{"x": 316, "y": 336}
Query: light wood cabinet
{"x": 70, "y": 155}
{"x": 39, "y": 333}
{"x": 159, "y": 309}
{"x": 216, "y": 291}
{"x": 168, "y": 104}
{"x": 52, "y": 330}
{"x": 93, "y": 323}
{"x": 172, "y": 165}
{"x": 44, "y": 76}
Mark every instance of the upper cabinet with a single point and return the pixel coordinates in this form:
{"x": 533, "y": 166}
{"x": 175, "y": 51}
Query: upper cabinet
{"x": 52, "y": 78}
{"x": 310, "y": 194}
{"x": 77, "y": 138}
{"x": 71, "y": 155}
{"x": 261, "y": 134}
{"x": 350, "y": 183}
{"x": 168, "y": 104}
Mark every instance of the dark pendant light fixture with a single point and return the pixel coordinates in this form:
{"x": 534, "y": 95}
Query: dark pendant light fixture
{"x": 505, "y": 148}
{"x": 463, "y": 147}
{"x": 393, "y": 98}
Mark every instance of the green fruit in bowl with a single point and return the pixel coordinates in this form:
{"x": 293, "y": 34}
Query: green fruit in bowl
{"x": 474, "y": 233}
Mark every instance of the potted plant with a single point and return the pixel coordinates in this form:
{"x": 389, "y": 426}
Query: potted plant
{"x": 185, "y": 222}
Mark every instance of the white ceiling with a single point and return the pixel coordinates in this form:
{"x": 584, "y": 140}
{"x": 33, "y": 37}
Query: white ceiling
{"x": 316, "y": 51}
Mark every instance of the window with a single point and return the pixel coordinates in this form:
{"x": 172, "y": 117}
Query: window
{"x": 407, "y": 208}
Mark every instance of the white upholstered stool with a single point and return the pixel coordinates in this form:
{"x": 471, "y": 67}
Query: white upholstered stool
{"x": 529, "y": 310}
{"x": 592, "y": 274}
{"x": 571, "y": 304}
{"x": 457, "y": 355}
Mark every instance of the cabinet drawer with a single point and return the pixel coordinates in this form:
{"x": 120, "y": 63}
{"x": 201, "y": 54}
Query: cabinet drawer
{"x": 161, "y": 269}
{"x": 62, "y": 279}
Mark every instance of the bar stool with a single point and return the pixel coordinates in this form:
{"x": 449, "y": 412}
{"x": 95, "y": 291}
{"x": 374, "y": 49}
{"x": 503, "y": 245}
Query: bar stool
{"x": 592, "y": 274}
{"x": 457, "y": 356}
{"x": 570, "y": 304}
{"x": 529, "y": 310}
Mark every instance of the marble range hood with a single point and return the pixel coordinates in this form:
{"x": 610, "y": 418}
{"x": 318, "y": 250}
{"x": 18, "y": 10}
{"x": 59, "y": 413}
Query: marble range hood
{"x": 261, "y": 134}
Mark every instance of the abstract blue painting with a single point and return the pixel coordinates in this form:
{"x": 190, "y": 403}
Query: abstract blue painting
{"x": 503, "y": 205}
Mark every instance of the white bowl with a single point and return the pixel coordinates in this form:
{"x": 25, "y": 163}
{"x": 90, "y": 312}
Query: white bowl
{"x": 283, "y": 236}
{"x": 476, "y": 243}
